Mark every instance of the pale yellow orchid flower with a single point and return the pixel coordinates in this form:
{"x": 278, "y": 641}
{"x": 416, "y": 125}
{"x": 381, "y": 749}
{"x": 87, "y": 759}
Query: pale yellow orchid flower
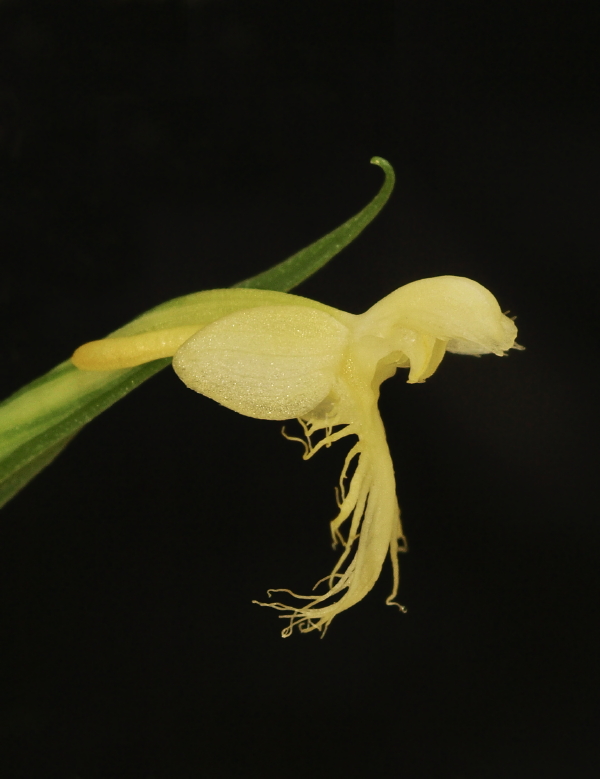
{"x": 284, "y": 357}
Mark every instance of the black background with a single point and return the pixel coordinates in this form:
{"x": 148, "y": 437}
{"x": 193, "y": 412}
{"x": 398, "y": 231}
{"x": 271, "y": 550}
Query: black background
{"x": 151, "y": 149}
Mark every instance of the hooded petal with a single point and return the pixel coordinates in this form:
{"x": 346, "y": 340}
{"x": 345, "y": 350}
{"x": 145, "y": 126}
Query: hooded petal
{"x": 453, "y": 308}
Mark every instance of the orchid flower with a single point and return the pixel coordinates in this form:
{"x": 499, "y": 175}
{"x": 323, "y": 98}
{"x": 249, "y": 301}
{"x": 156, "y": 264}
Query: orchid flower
{"x": 279, "y": 356}
{"x": 272, "y": 355}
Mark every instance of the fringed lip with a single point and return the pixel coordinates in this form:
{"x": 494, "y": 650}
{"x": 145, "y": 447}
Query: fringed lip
{"x": 367, "y": 499}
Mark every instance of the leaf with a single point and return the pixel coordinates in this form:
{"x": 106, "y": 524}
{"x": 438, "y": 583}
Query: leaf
{"x": 297, "y": 268}
{"x": 20, "y": 476}
{"x": 39, "y": 420}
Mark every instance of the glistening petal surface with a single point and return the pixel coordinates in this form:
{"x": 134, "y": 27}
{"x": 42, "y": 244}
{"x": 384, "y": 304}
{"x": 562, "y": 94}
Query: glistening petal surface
{"x": 272, "y": 362}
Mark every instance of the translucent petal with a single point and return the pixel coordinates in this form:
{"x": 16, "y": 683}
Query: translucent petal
{"x": 451, "y": 308}
{"x": 272, "y": 362}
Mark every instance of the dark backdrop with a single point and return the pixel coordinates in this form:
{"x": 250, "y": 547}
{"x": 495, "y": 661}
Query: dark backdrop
{"x": 151, "y": 149}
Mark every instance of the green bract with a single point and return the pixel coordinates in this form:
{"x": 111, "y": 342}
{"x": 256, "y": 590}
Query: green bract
{"x": 39, "y": 420}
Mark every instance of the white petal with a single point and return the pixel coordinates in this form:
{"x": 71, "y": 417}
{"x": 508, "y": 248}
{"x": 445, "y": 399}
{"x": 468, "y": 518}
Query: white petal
{"x": 272, "y": 362}
{"x": 453, "y": 308}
